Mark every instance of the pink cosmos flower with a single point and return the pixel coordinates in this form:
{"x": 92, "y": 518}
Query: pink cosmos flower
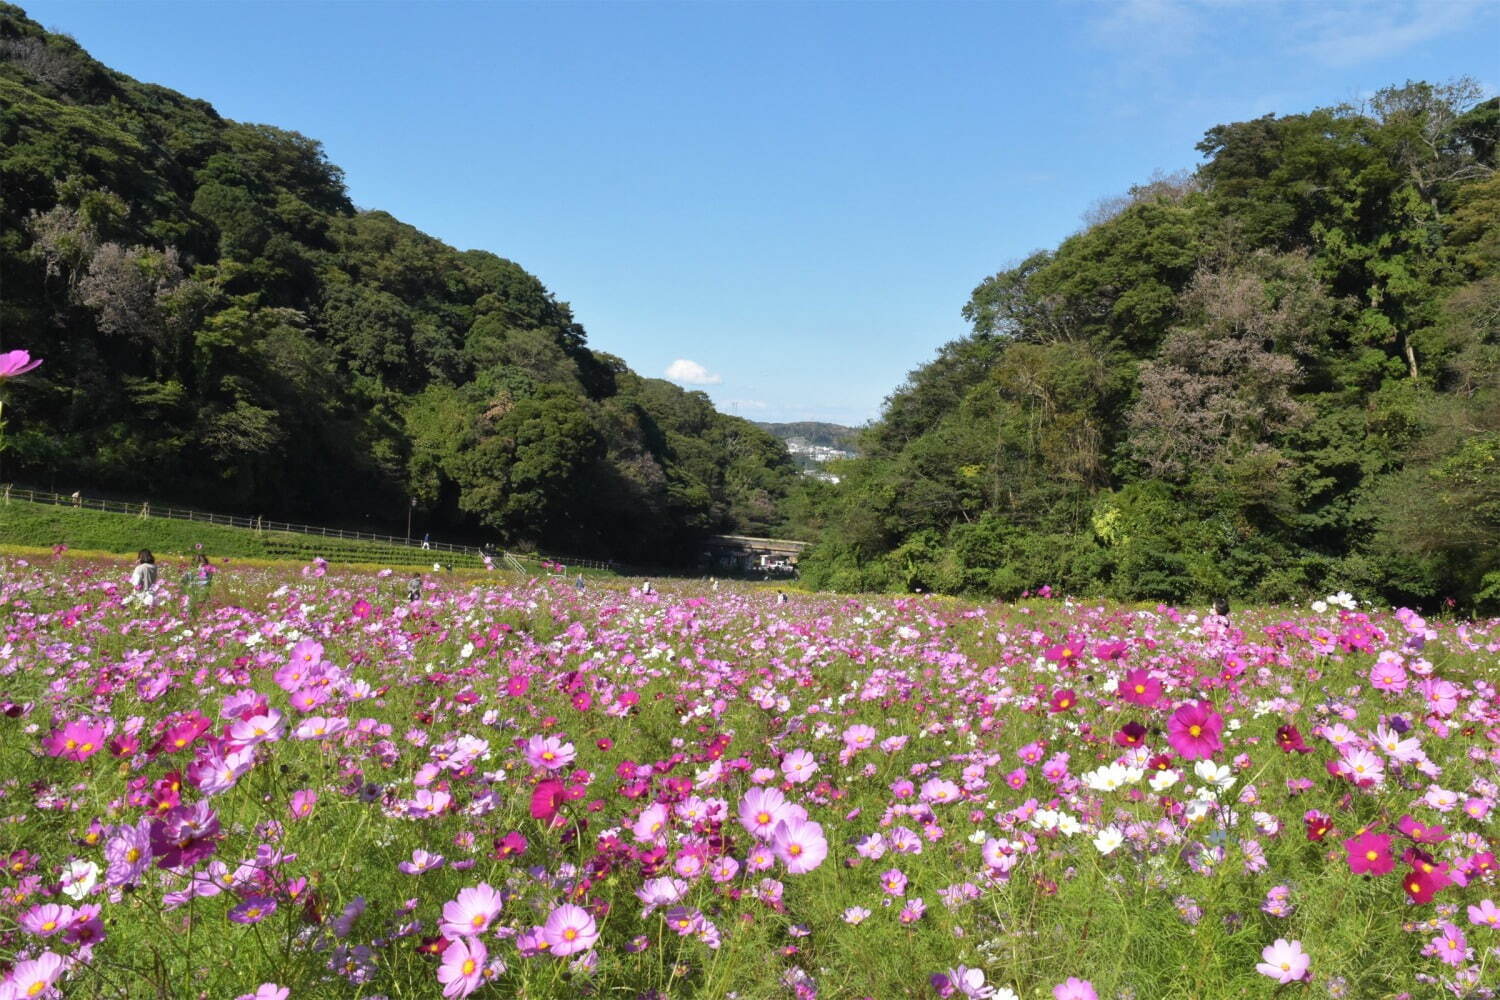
{"x": 267, "y": 991}
{"x": 760, "y": 810}
{"x": 462, "y": 971}
{"x": 253, "y": 910}
{"x": 14, "y": 363}
{"x": 302, "y": 803}
{"x": 893, "y": 882}
{"x": 1284, "y": 961}
{"x": 798, "y": 766}
{"x": 549, "y": 752}
{"x": 1450, "y": 945}
{"x": 472, "y": 912}
{"x": 569, "y": 929}
{"x": 1193, "y": 731}
{"x": 421, "y": 861}
{"x": 800, "y": 845}
{"x": 75, "y": 740}
{"x": 1075, "y": 989}
{"x": 37, "y": 977}
{"x": 650, "y": 827}
{"x": 46, "y": 919}
{"x": 1486, "y": 914}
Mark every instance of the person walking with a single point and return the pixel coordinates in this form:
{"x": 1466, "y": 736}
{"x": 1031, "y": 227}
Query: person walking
{"x": 427, "y": 540}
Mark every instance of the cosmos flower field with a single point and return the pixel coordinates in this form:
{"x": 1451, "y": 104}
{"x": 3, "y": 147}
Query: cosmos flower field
{"x": 299, "y": 784}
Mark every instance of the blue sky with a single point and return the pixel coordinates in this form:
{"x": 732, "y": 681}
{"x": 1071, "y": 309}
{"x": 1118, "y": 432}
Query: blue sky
{"x": 784, "y": 204}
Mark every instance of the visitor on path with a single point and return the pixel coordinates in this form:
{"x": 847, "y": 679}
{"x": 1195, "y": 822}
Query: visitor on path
{"x": 578, "y": 584}
{"x": 427, "y": 540}
{"x": 143, "y": 577}
{"x": 414, "y": 587}
{"x": 780, "y": 597}
{"x": 716, "y": 585}
{"x": 646, "y": 589}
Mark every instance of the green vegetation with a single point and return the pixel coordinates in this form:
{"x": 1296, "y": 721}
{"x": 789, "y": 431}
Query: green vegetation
{"x": 45, "y": 526}
{"x": 222, "y": 327}
{"x": 1279, "y": 374}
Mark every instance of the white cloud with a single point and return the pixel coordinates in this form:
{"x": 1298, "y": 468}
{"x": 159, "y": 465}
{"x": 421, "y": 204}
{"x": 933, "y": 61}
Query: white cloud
{"x": 691, "y": 373}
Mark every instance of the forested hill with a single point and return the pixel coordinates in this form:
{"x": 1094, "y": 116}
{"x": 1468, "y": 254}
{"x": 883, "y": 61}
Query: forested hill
{"x": 1276, "y": 374}
{"x": 221, "y": 326}
{"x": 815, "y": 433}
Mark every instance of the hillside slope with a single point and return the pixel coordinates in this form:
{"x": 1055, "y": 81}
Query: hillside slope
{"x": 221, "y": 326}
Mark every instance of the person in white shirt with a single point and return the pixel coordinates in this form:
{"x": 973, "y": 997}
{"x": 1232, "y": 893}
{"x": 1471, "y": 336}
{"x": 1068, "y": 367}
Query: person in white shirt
{"x": 143, "y": 577}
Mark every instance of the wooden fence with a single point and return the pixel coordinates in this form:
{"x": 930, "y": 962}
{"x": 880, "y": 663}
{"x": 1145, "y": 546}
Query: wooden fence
{"x": 259, "y": 524}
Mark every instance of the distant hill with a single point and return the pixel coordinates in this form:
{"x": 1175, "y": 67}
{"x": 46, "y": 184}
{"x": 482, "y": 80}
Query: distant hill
{"x": 221, "y": 327}
{"x": 814, "y": 433}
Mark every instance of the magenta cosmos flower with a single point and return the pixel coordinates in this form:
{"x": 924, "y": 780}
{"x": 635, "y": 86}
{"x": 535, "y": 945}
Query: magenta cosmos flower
{"x": 1193, "y": 730}
{"x": 13, "y": 363}
{"x": 1284, "y": 961}
{"x": 569, "y": 929}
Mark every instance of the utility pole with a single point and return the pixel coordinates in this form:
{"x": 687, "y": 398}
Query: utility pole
{"x": 409, "y": 509}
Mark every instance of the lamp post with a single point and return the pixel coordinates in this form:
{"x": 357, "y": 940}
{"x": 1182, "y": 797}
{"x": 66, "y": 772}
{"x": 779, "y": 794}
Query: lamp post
{"x": 409, "y": 509}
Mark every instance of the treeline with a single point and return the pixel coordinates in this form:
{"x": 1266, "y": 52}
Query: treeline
{"x": 1277, "y": 374}
{"x": 221, "y": 326}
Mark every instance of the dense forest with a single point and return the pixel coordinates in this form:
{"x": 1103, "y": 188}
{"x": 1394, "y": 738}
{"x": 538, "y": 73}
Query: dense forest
{"x": 221, "y": 325}
{"x": 1276, "y": 374}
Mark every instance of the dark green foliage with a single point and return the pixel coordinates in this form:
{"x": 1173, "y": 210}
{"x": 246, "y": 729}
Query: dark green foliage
{"x": 220, "y": 326}
{"x": 1277, "y": 375}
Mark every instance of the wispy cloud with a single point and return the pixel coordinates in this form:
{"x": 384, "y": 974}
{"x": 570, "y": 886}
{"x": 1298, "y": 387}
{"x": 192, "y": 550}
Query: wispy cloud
{"x": 1347, "y": 34}
{"x": 691, "y": 373}
{"x": 1145, "y": 35}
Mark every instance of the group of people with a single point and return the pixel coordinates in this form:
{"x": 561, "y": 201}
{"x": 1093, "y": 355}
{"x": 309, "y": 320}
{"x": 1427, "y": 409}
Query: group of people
{"x": 145, "y": 576}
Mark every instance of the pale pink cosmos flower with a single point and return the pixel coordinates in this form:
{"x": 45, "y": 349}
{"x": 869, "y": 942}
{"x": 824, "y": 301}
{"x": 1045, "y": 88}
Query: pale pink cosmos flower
{"x": 1485, "y": 914}
{"x": 798, "y": 766}
{"x": 650, "y": 826}
{"x": 760, "y": 810}
{"x": 472, "y": 912}
{"x": 569, "y": 929}
{"x": 799, "y": 845}
{"x": 1284, "y": 961}
{"x": 34, "y": 978}
{"x": 267, "y": 991}
{"x": 462, "y": 971}
{"x": 1450, "y": 945}
{"x": 549, "y": 752}
{"x": 421, "y": 861}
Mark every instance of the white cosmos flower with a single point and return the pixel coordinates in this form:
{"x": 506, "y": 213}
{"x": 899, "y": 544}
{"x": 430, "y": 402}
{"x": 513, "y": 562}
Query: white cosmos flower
{"x": 1108, "y": 839}
{"x": 1217, "y": 775}
{"x": 1162, "y": 780}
